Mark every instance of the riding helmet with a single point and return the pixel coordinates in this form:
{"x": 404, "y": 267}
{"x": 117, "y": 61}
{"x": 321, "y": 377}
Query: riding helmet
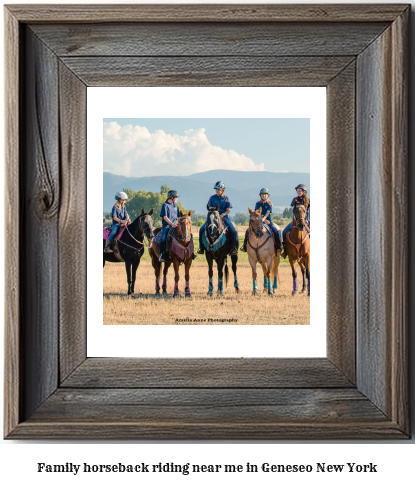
{"x": 173, "y": 194}
{"x": 263, "y": 190}
{"x": 219, "y": 185}
{"x": 301, "y": 187}
{"x": 120, "y": 195}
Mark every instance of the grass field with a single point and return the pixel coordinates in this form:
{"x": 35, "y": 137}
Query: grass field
{"x": 242, "y": 308}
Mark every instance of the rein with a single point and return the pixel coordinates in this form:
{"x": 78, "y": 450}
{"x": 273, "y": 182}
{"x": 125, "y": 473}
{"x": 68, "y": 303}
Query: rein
{"x": 256, "y": 249}
{"x": 132, "y": 247}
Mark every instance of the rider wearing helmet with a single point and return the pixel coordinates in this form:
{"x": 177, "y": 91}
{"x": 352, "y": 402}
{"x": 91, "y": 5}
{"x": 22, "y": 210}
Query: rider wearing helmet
{"x": 266, "y": 210}
{"x": 169, "y": 213}
{"x": 225, "y": 206}
{"x": 303, "y": 199}
{"x": 119, "y": 217}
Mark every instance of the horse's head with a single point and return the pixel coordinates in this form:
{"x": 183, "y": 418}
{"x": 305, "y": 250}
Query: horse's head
{"x": 146, "y": 224}
{"x": 184, "y": 227}
{"x": 299, "y": 214}
{"x": 255, "y": 222}
{"x": 214, "y": 224}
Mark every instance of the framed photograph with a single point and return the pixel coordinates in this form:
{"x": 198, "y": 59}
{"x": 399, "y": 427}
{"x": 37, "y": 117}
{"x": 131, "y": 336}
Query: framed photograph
{"x": 54, "y": 388}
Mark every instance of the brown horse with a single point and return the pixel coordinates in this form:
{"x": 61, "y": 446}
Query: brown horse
{"x": 298, "y": 246}
{"x": 180, "y": 250}
{"x": 260, "y": 249}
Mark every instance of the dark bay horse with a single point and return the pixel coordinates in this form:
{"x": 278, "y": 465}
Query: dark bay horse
{"x": 218, "y": 244}
{"x": 131, "y": 246}
{"x": 298, "y": 247}
{"x": 180, "y": 251}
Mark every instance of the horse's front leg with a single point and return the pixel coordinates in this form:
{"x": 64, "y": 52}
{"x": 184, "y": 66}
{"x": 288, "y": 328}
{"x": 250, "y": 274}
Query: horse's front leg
{"x": 128, "y": 271}
{"x": 294, "y": 274}
{"x": 187, "y": 265}
{"x": 220, "y": 264}
{"x": 176, "y": 265}
{"x": 209, "y": 259}
{"x": 276, "y": 262}
{"x": 234, "y": 259}
{"x": 267, "y": 269}
{"x": 134, "y": 267}
{"x": 303, "y": 272}
{"x": 253, "y": 262}
{"x": 165, "y": 270}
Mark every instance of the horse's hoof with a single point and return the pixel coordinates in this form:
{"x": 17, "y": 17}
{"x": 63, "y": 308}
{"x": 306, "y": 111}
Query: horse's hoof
{"x": 220, "y": 292}
{"x": 210, "y": 293}
{"x": 176, "y": 295}
{"x": 270, "y": 292}
{"x": 188, "y": 295}
{"x": 295, "y": 292}
{"x": 236, "y": 289}
{"x": 308, "y": 294}
{"x": 157, "y": 293}
{"x": 255, "y": 292}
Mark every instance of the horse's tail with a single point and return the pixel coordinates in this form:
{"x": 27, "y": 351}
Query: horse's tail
{"x": 226, "y": 271}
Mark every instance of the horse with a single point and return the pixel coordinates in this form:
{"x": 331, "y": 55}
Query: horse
{"x": 260, "y": 248}
{"x": 180, "y": 250}
{"x": 131, "y": 247}
{"x": 298, "y": 247}
{"x": 218, "y": 244}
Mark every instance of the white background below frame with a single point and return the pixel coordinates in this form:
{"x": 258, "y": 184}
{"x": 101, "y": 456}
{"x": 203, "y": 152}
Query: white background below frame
{"x": 181, "y": 340}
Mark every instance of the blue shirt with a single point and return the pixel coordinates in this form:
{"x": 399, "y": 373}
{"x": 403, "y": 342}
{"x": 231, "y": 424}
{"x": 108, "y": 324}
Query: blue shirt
{"x": 265, "y": 207}
{"x": 300, "y": 200}
{"x": 171, "y": 211}
{"x": 120, "y": 213}
{"x": 223, "y": 202}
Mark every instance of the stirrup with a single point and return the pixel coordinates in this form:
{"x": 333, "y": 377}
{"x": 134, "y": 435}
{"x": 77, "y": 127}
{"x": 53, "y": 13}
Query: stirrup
{"x": 234, "y": 251}
{"x": 108, "y": 249}
{"x": 243, "y": 248}
{"x": 161, "y": 258}
{"x": 200, "y": 251}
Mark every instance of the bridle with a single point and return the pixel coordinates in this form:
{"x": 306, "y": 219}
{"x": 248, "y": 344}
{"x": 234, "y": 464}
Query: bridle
{"x": 256, "y": 249}
{"x": 303, "y": 239}
{"x": 186, "y": 236}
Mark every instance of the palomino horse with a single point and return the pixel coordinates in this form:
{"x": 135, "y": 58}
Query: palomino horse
{"x": 218, "y": 244}
{"x": 298, "y": 246}
{"x": 261, "y": 250}
{"x": 180, "y": 250}
{"x": 131, "y": 246}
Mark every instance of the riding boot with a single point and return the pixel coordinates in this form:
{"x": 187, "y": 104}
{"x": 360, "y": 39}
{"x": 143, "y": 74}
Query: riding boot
{"x": 201, "y": 249}
{"x": 161, "y": 251}
{"x": 243, "y": 247}
{"x": 234, "y": 251}
{"x": 107, "y": 246}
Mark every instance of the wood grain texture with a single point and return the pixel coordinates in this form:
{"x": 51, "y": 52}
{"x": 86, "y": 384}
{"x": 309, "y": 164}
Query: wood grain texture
{"x": 202, "y": 39}
{"x": 72, "y": 222}
{"x": 341, "y": 277}
{"x": 206, "y": 373}
{"x": 13, "y": 384}
{"x": 39, "y": 215}
{"x": 400, "y": 222}
{"x": 206, "y": 13}
{"x": 209, "y": 405}
{"x": 206, "y": 71}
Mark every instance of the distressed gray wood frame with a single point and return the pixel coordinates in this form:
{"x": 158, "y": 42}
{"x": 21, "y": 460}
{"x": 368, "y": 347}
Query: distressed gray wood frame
{"x": 359, "y": 52}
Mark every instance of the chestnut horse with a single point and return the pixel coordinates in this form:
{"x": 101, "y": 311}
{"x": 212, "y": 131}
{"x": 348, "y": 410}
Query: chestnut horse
{"x": 298, "y": 247}
{"x": 260, "y": 249}
{"x": 180, "y": 250}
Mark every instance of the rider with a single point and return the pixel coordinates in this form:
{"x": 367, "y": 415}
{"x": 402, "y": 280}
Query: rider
{"x": 225, "y": 206}
{"x": 119, "y": 217}
{"x": 170, "y": 212}
{"x": 303, "y": 199}
{"x": 266, "y": 210}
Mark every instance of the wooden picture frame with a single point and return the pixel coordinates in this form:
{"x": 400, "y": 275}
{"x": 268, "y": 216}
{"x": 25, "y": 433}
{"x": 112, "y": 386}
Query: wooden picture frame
{"x": 360, "y": 53}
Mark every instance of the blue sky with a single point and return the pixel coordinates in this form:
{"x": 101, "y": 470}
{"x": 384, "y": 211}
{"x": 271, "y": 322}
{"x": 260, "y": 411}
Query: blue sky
{"x": 148, "y": 147}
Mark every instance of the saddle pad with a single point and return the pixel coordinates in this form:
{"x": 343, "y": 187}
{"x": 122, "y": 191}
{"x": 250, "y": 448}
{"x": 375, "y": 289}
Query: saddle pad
{"x": 107, "y": 232}
{"x": 157, "y": 238}
{"x": 183, "y": 253}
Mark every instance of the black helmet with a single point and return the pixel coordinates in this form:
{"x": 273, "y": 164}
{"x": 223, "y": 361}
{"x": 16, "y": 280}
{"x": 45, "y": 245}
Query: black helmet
{"x": 301, "y": 187}
{"x": 173, "y": 194}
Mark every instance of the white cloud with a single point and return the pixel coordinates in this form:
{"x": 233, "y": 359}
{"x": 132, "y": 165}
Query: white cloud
{"x": 134, "y": 151}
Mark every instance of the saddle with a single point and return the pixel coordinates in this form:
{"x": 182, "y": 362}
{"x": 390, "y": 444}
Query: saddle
{"x": 107, "y": 232}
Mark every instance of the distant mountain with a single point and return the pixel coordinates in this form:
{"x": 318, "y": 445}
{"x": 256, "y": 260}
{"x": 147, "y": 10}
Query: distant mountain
{"x": 242, "y": 187}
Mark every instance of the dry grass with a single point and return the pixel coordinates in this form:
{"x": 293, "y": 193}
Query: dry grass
{"x": 147, "y": 309}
